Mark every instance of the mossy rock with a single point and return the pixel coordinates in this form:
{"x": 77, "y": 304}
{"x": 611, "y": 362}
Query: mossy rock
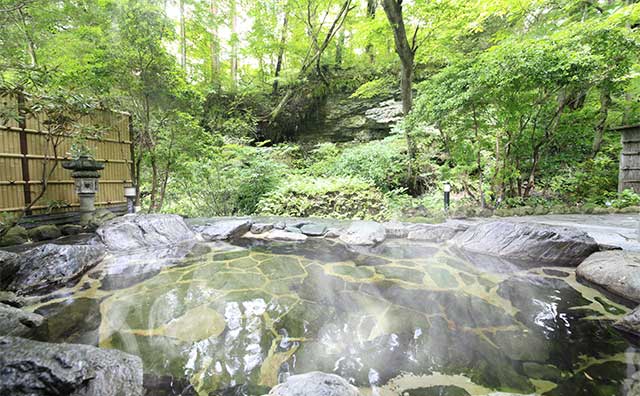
{"x": 600, "y": 210}
{"x": 560, "y": 209}
{"x": 503, "y": 212}
{"x": 100, "y": 217}
{"x": 629, "y": 209}
{"x": 15, "y": 236}
{"x": 463, "y": 212}
{"x": 540, "y": 211}
{"x": 479, "y": 212}
{"x": 44, "y": 233}
{"x": 71, "y": 229}
{"x": 523, "y": 211}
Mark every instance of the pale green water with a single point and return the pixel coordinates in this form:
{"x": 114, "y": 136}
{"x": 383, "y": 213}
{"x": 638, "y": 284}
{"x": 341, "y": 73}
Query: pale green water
{"x": 414, "y": 319}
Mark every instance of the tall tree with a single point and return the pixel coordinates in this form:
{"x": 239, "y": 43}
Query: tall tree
{"x": 406, "y": 51}
{"x": 235, "y": 42}
{"x": 183, "y": 37}
{"x": 281, "y": 48}
{"x": 372, "y": 7}
{"x": 214, "y": 46}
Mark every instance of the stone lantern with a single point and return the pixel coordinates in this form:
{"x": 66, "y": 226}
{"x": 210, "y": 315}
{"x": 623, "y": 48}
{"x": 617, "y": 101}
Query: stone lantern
{"x": 85, "y": 172}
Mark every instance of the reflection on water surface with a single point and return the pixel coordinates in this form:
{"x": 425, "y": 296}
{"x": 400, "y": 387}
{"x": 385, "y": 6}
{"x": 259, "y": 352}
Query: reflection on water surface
{"x": 399, "y": 319}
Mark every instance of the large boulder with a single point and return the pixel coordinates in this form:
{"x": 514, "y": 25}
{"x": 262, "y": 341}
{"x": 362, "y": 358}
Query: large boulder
{"x": 225, "y": 229}
{"x": 140, "y": 231}
{"x": 31, "y": 368}
{"x": 537, "y": 243}
{"x": 364, "y": 233}
{"x": 315, "y": 384}
{"x": 616, "y": 271}
{"x": 50, "y": 266}
{"x": 436, "y": 232}
{"x": 16, "y": 322}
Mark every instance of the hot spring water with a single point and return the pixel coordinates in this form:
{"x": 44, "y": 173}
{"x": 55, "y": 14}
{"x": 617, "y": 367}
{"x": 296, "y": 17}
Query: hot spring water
{"x": 403, "y": 318}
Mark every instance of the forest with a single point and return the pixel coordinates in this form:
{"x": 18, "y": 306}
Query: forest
{"x": 344, "y": 108}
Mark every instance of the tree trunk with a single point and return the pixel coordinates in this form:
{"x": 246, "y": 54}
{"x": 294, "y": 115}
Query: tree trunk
{"x": 234, "y": 45}
{"x": 31, "y": 46}
{"x": 183, "y": 37}
{"x": 372, "y": 6}
{"x": 340, "y": 48}
{"x": 214, "y": 47}
{"x": 406, "y": 52}
{"x": 476, "y": 128}
{"x": 283, "y": 41}
{"x": 605, "y": 103}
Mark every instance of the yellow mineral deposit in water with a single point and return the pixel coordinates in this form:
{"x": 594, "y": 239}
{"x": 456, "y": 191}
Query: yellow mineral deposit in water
{"x": 410, "y": 319}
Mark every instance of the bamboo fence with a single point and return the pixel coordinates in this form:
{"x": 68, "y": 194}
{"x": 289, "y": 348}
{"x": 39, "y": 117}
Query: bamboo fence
{"x": 24, "y": 145}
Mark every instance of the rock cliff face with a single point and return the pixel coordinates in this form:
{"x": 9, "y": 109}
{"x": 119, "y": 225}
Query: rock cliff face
{"x": 345, "y": 119}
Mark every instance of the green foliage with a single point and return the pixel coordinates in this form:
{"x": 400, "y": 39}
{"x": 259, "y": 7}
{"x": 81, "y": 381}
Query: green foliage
{"x": 511, "y": 100}
{"x": 381, "y": 87}
{"x": 592, "y": 180}
{"x": 382, "y": 162}
{"x": 335, "y": 197}
{"x": 228, "y": 179}
{"x": 626, "y": 199}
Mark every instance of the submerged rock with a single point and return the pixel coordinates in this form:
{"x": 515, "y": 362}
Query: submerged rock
{"x": 615, "y": 270}
{"x": 16, "y": 322}
{"x": 528, "y": 242}
{"x": 11, "y": 299}
{"x": 38, "y": 368}
{"x": 138, "y": 231}
{"x": 630, "y": 323}
{"x": 225, "y": 229}
{"x": 50, "y": 266}
{"x": 364, "y": 233}
{"x": 315, "y": 384}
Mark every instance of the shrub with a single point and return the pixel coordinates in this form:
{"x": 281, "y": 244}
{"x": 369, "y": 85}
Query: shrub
{"x": 589, "y": 181}
{"x": 625, "y": 199}
{"x": 382, "y": 162}
{"x": 336, "y": 197}
{"x": 230, "y": 180}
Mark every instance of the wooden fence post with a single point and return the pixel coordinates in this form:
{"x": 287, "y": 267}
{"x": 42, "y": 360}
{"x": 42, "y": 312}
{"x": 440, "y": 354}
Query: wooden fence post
{"x": 24, "y": 150}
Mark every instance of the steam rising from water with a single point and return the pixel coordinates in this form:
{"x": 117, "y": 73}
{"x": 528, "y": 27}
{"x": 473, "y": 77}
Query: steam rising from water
{"x": 399, "y": 317}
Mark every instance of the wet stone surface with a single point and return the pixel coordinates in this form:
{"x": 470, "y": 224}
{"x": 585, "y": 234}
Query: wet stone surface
{"x": 401, "y": 318}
